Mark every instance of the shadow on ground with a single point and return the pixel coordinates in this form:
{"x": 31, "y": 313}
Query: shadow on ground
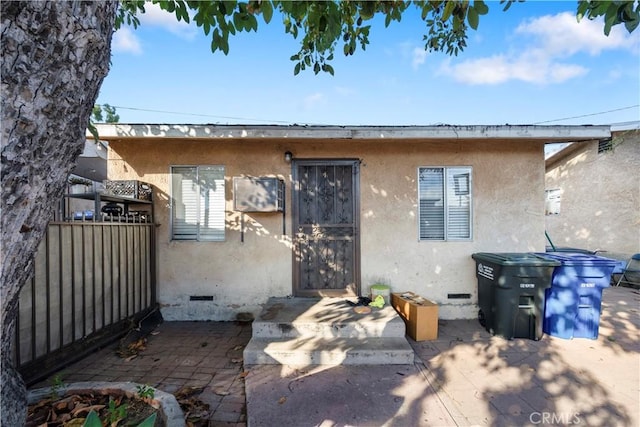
{"x": 493, "y": 381}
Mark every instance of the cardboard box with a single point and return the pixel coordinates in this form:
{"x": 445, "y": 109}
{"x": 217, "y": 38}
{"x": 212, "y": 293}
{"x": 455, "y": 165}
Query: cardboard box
{"x": 419, "y": 314}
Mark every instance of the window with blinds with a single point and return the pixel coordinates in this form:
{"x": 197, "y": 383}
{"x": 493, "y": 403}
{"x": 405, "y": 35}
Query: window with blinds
{"x": 197, "y": 203}
{"x": 444, "y": 208}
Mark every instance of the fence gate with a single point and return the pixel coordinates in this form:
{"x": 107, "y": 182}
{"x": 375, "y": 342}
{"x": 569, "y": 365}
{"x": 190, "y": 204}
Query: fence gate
{"x": 91, "y": 281}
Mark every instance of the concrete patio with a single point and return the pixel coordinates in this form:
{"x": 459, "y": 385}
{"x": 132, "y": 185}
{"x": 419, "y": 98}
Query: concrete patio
{"x": 465, "y": 377}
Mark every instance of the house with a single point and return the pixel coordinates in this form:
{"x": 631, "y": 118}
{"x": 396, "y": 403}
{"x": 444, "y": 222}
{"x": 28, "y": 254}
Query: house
{"x": 245, "y": 213}
{"x": 593, "y": 195}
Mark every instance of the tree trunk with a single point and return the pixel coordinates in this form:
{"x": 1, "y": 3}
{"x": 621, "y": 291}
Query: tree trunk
{"x": 55, "y": 55}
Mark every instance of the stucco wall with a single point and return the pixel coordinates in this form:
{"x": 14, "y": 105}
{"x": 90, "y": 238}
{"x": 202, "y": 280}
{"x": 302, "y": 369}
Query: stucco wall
{"x": 508, "y": 215}
{"x": 600, "y": 196}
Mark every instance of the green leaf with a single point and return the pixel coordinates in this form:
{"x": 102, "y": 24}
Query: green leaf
{"x": 480, "y": 7}
{"x": 316, "y": 68}
{"x": 583, "y": 6}
{"x": 448, "y": 10}
{"x": 472, "y": 17}
{"x": 631, "y": 25}
{"x": 367, "y": 10}
{"x": 92, "y": 420}
{"x": 237, "y": 21}
{"x": 252, "y": 23}
{"x": 327, "y": 69}
{"x": 610, "y": 18}
{"x": 267, "y": 11}
{"x": 296, "y": 69}
{"x": 322, "y": 23}
{"x": 227, "y": 7}
{"x": 149, "y": 422}
{"x": 425, "y": 11}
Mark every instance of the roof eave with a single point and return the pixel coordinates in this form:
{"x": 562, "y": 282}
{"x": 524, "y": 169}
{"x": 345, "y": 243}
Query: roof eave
{"x": 563, "y": 133}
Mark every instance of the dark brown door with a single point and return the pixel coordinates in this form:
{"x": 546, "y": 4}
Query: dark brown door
{"x": 326, "y": 258}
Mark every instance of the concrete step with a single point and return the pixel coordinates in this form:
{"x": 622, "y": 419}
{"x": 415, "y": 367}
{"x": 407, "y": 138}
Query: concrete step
{"x": 328, "y": 318}
{"x": 304, "y": 351}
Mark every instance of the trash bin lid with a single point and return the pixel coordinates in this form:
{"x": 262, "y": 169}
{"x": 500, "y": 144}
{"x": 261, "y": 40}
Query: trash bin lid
{"x": 515, "y": 258}
{"x": 579, "y": 258}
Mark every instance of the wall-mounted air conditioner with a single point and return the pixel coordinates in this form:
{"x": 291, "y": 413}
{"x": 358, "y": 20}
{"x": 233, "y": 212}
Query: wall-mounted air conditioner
{"x": 258, "y": 194}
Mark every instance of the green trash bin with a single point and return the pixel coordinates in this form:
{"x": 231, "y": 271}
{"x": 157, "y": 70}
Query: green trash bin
{"x": 511, "y": 292}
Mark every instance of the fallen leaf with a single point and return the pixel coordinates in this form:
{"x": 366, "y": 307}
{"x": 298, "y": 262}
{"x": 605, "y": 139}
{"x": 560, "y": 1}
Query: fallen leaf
{"x": 87, "y": 409}
{"x": 187, "y": 391}
{"x": 130, "y": 358}
{"x": 221, "y": 392}
{"x": 238, "y": 347}
{"x": 155, "y": 332}
{"x": 244, "y": 374}
{"x": 236, "y": 360}
{"x": 282, "y": 400}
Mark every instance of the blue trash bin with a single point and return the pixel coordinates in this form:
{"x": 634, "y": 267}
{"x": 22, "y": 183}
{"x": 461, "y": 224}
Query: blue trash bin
{"x": 573, "y": 302}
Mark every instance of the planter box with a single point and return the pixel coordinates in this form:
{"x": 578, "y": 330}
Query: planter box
{"x": 419, "y": 314}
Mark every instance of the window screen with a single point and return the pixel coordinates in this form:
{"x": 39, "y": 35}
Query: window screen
{"x": 444, "y": 203}
{"x": 197, "y": 203}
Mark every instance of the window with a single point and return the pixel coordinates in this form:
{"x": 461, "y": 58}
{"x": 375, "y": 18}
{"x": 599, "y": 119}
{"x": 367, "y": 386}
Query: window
{"x": 197, "y": 203}
{"x": 552, "y": 201}
{"x": 444, "y": 210}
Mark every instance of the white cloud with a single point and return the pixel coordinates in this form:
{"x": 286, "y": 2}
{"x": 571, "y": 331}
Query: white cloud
{"x": 419, "y": 57}
{"x": 345, "y": 91}
{"x": 124, "y": 40}
{"x": 157, "y": 17}
{"x": 410, "y": 52}
{"x": 553, "y": 40}
{"x": 562, "y": 34}
{"x": 499, "y": 69}
{"x": 314, "y": 100}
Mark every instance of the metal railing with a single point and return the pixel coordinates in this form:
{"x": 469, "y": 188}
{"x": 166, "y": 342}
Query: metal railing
{"x": 92, "y": 281}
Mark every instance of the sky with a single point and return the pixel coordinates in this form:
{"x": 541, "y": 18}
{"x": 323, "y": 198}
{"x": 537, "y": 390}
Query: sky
{"x": 533, "y": 64}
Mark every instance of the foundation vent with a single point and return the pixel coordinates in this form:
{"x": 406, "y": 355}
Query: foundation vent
{"x": 459, "y": 296}
{"x": 201, "y": 298}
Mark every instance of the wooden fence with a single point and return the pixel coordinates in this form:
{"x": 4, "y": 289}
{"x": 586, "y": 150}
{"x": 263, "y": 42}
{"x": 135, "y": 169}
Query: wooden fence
{"x": 92, "y": 282}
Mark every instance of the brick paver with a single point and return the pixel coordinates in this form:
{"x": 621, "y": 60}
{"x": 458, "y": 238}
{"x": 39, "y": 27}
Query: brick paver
{"x": 180, "y": 354}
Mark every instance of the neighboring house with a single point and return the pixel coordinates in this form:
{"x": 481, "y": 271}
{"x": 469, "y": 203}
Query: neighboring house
{"x": 401, "y": 205}
{"x": 87, "y": 176}
{"x": 593, "y": 195}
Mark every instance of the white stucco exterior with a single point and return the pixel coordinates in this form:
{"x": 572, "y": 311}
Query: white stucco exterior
{"x": 508, "y": 206}
{"x": 599, "y": 206}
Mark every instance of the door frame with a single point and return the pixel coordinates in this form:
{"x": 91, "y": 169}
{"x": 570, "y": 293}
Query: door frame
{"x": 355, "y": 163}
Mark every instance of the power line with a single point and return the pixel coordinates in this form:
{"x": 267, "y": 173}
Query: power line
{"x": 289, "y": 122}
{"x": 200, "y": 115}
{"x": 588, "y": 115}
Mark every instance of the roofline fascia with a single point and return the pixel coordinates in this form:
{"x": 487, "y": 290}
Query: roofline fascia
{"x": 548, "y": 134}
